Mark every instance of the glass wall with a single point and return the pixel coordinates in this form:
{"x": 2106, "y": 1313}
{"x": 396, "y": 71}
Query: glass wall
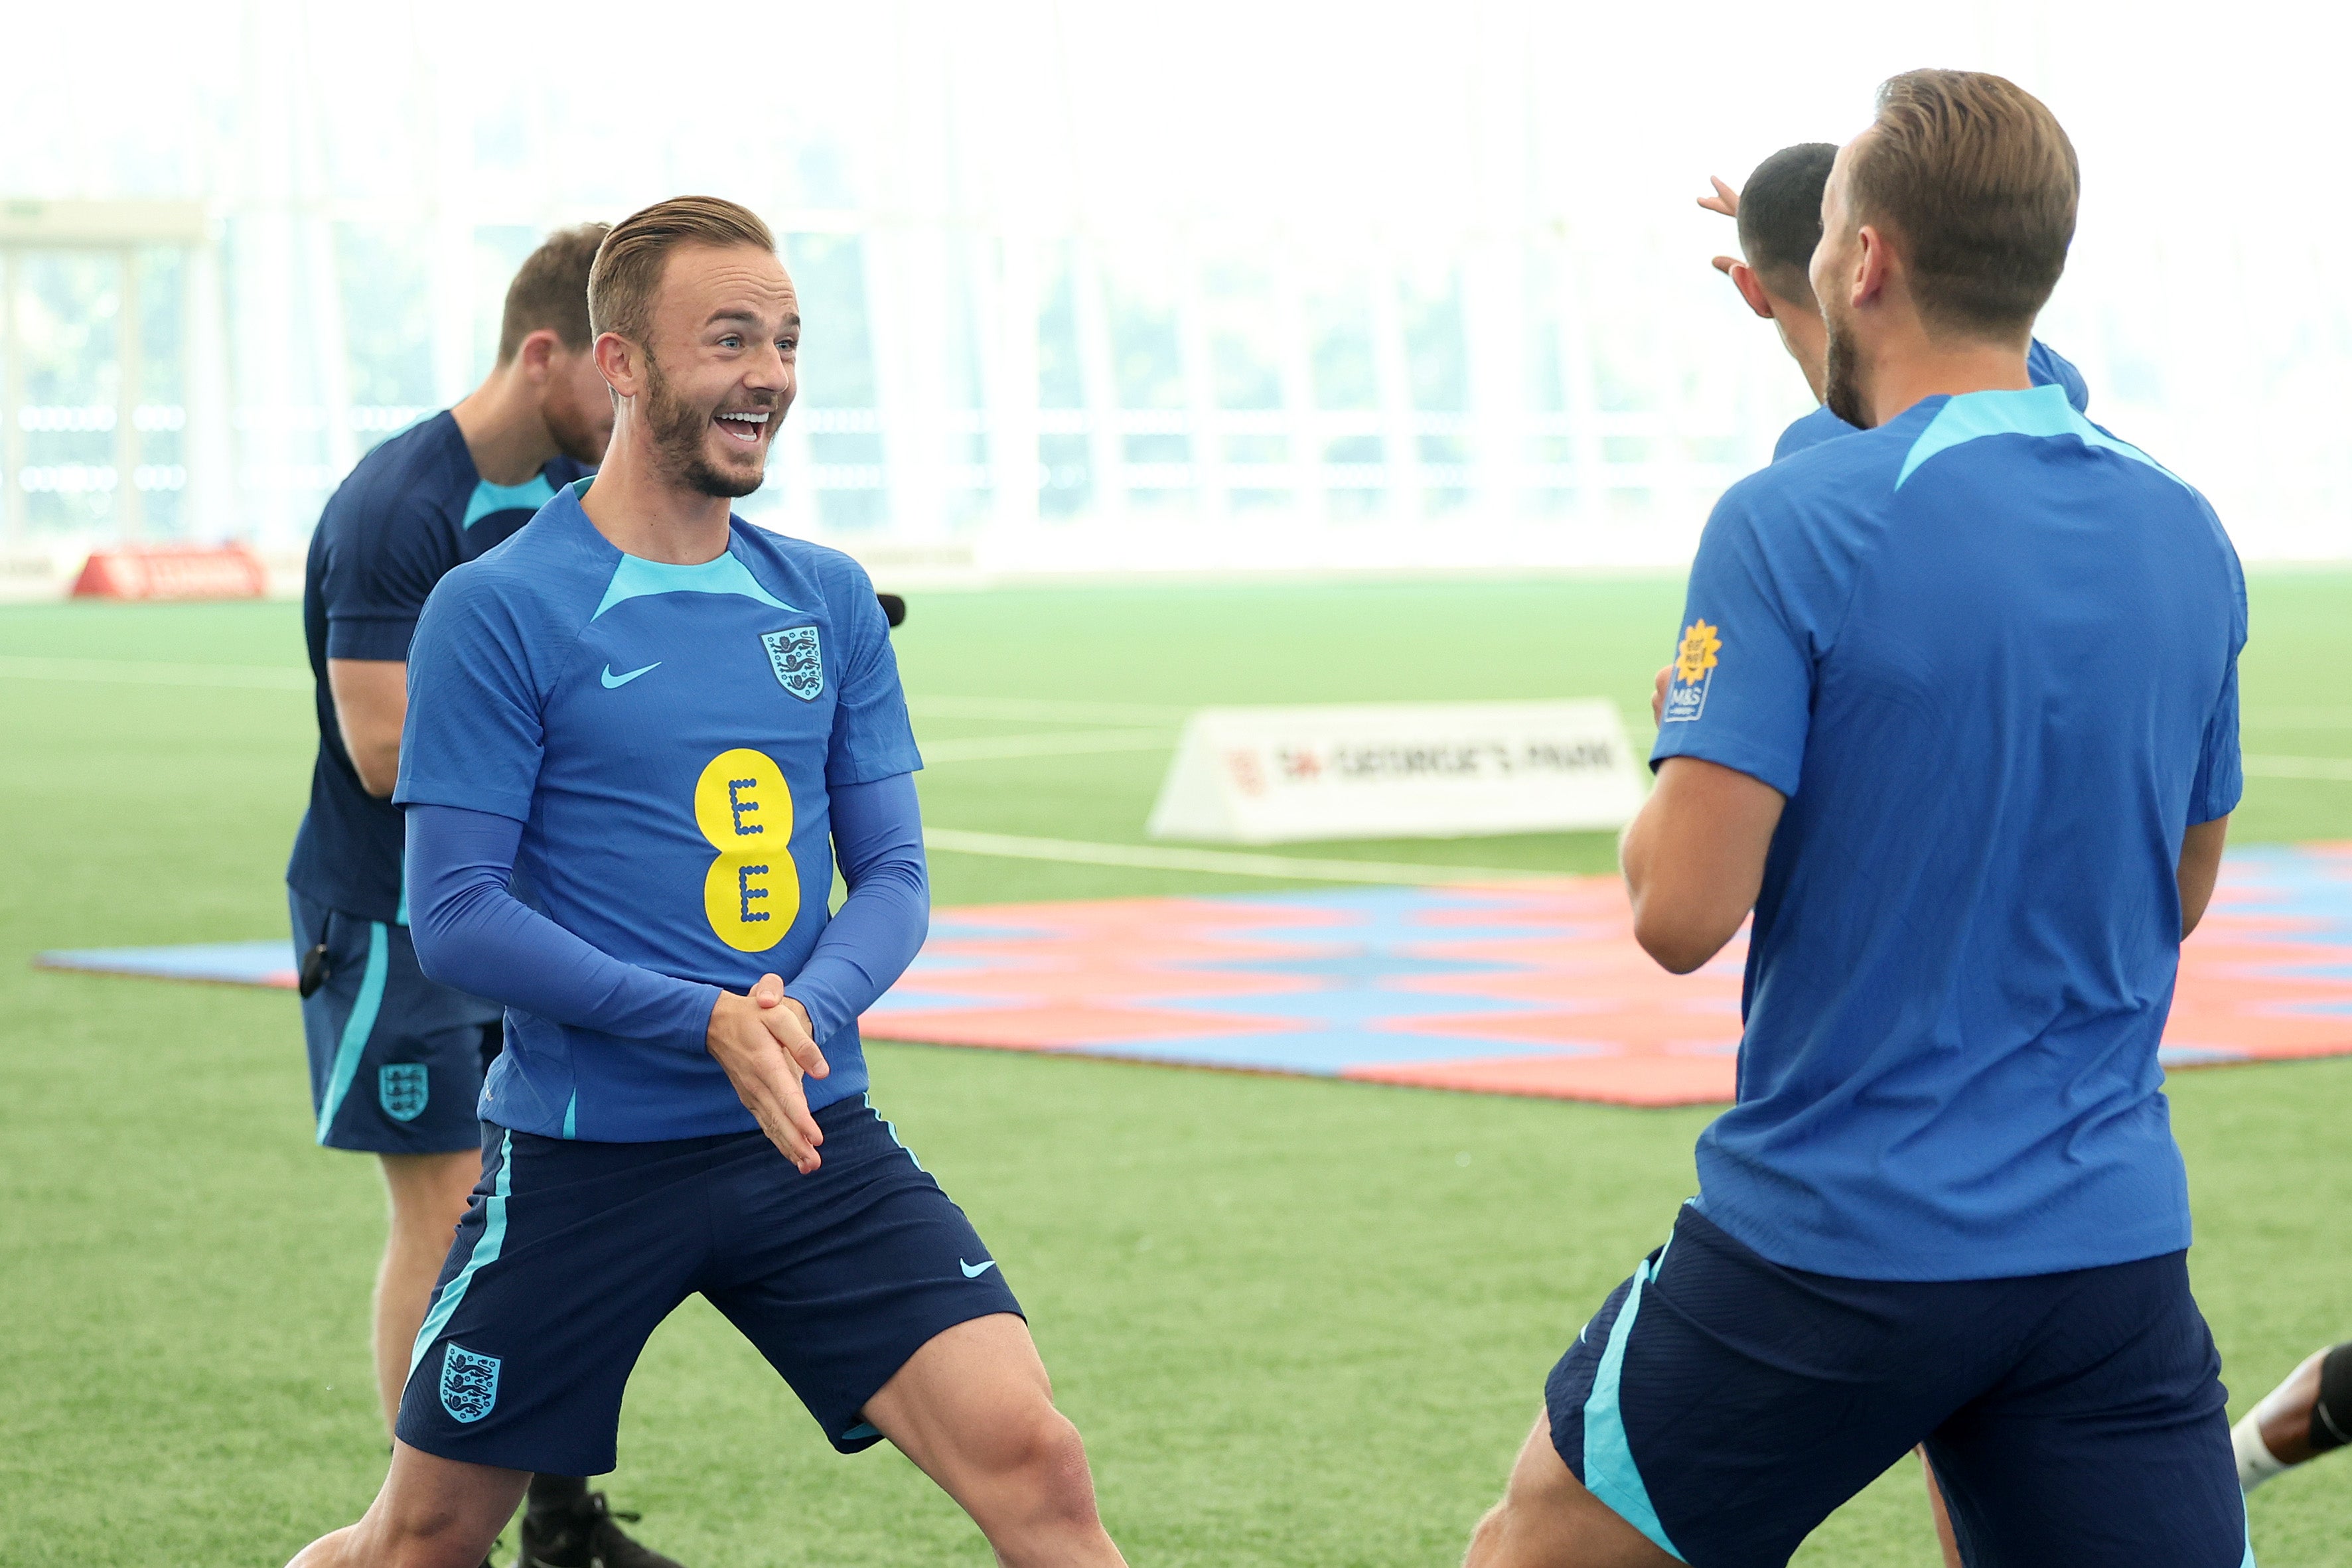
{"x": 1289, "y": 284}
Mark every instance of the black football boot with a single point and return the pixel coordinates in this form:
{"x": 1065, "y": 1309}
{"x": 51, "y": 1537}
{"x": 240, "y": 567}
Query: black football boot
{"x": 583, "y": 1533}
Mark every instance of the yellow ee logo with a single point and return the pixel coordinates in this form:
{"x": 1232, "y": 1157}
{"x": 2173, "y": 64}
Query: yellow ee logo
{"x": 751, "y": 892}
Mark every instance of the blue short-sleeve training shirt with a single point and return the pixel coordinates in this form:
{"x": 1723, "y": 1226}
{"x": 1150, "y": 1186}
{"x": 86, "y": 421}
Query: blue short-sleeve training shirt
{"x": 666, "y": 735}
{"x": 2044, "y": 364}
{"x": 1989, "y": 654}
{"x": 412, "y": 509}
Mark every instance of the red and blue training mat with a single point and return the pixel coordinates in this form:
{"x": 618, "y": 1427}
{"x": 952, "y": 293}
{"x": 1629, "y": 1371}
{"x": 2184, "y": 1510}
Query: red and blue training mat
{"x": 1528, "y": 988}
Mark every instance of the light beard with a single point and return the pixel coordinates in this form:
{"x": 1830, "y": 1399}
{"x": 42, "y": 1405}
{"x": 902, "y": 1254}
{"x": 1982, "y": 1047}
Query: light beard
{"x": 578, "y": 434}
{"x": 679, "y": 430}
{"x": 1840, "y": 384}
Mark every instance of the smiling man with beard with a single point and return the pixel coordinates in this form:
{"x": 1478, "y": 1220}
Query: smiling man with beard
{"x": 638, "y": 736}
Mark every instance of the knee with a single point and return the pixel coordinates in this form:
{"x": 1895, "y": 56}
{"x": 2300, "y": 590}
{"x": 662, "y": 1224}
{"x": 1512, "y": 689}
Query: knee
{"x": 1042, "y": 1457}
{"x": 448, "y": 1550}
{"x": 1517, "y": 1532}
{"x": 389, "y": 1543}
{"x": 1486, "y": 1539}
{"x": 442, "y": 1553}
{"x": 327, "y": 1552}
{"x": 430, "y": 1537}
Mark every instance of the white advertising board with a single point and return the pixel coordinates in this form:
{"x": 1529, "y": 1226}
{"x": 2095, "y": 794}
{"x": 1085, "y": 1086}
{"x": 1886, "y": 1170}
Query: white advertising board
{"x": 1398, "y": 771}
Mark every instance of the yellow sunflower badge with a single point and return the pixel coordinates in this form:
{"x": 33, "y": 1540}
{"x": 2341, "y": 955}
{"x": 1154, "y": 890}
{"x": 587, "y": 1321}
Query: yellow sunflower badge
{"x": 1694, "y": 666}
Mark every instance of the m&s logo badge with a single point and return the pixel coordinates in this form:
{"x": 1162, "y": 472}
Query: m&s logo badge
{"x": 1694, "y": 665}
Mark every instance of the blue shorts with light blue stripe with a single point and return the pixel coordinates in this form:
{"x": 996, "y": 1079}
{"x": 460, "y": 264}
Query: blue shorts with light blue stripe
{"x": 571, "y": 1253}
{"x": 1725, "y": 1405}
{"x": 397, "y": 1062}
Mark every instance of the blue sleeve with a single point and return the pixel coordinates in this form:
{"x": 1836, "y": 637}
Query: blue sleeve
{"x": 473, "y": 736}
{"x": 1741, "y": 694}
{"x": 2220, "y": 779}
{"x": 872, "y": 737}
{"x": 380, "y": 566}
{"x": 473, "y": 934}
{"x": 2220, "y": 775}
{"x": 878, "y": 835}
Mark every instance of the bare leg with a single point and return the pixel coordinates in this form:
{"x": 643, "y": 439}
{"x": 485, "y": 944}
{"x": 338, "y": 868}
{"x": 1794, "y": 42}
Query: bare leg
{"x": 974, "y": 1411}
{"x": 1546, "y": 1520}
{"x": 428, "y": 1198}
{"x": 2284, "y": 1415}
{"x": 2305, "y": 1416}
{"x": 432, "y": 1513}
{"x": 1944, "y": 1537}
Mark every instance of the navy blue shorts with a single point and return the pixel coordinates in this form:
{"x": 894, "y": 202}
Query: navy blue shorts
{"x": 397, "y": 1062}
{"x": 1726, "y": 1406}
{"x": 571, "y": 1253}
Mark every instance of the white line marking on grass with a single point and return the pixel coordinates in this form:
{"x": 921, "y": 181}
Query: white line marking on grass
{"x": 132, "y": 672}
{"x": 2336, "y": 767}
{"x": 1148, "y": 857}
{"x": 1070, "y": 743}
{"x": 1048, "y": 711}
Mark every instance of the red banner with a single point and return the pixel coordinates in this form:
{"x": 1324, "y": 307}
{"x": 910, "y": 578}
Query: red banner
{"x": 172, "y": 571}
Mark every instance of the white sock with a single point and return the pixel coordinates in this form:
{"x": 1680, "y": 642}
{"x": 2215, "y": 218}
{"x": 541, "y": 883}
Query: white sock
{"x": 2256, "y": 1463}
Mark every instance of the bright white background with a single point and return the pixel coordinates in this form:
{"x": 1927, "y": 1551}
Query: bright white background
{"x": 1135, "y": 286}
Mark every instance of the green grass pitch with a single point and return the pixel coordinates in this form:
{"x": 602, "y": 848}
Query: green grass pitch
{"x": 1299, "y": 1323}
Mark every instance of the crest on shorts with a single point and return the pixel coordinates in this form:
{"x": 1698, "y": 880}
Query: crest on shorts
{"x": 470, "y": 1383}
{"x": 402, "y": 1088}
{"x": 793, "y": 654}
{"x": 1693, "y": 671}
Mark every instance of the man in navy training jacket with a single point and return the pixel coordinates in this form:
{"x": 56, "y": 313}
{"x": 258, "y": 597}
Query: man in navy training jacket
{"x": 396, "y": 1059}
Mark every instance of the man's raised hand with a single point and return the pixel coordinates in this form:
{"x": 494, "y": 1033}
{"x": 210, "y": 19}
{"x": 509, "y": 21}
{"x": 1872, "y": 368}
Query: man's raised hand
{"x": 1725, "y": 201}
{"x": 762, "y": 1041}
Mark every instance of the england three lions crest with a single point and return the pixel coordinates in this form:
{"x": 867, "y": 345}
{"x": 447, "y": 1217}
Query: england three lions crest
{"x": 470, "y": 1383}
{"x": 404, "y": 1088}
{"x": 799, "y": 663}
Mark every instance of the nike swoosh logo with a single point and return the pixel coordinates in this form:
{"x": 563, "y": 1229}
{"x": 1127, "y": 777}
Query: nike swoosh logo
{"x": 974, "y": 1271}
{"x": 612, "y": 680}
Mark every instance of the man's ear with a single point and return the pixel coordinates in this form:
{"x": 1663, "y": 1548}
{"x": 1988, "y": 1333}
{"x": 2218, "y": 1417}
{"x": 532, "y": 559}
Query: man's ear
{"x": 536, "y": 353}
{"x": 1874, "y": 265}
{"x": 1751, "y": 289}
{"x": 617, "y": 361}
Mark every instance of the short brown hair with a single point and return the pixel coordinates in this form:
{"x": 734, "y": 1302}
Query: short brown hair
{"x": 1977, "y": 176}
{"x": 629, "y": 263}
{"x": 550, "y": 290}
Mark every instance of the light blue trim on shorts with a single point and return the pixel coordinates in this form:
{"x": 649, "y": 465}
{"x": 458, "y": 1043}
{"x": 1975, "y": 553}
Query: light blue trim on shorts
{"x": 892, "y": 1128}
{"x": 572, "y": 1116}
{"x": 357, "y": 1028}
{"x": 1610, "y": 1472}
{"x": 486, "y": 1252}
{"x": 2249, "y": 1562}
